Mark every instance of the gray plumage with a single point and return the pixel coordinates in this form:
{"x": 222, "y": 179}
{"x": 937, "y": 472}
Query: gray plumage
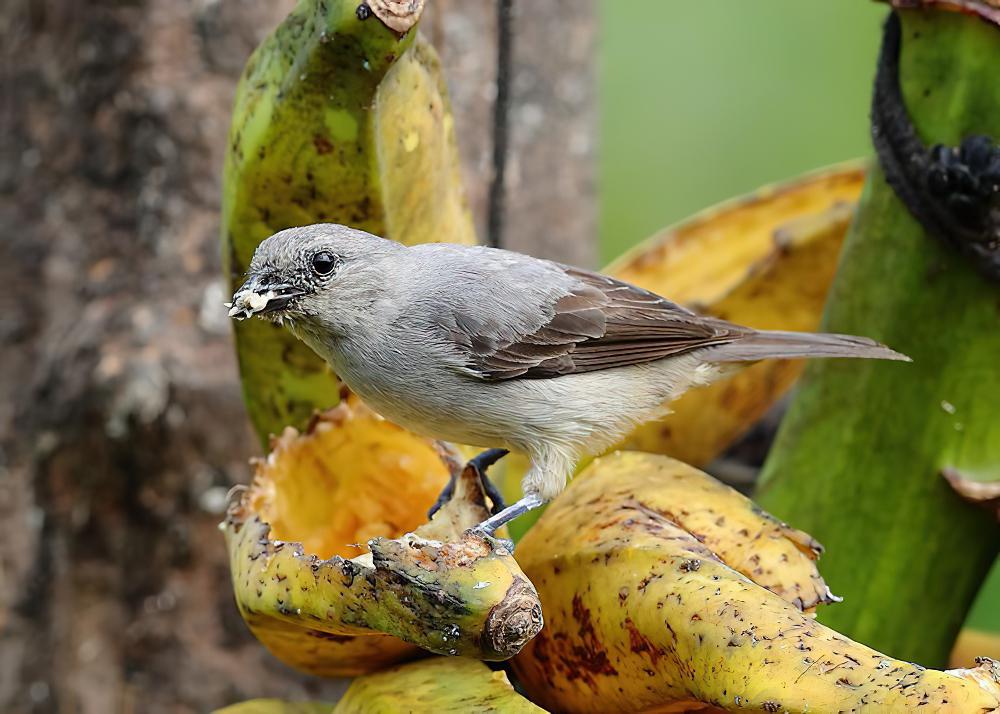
{"x": 488, "y": 347}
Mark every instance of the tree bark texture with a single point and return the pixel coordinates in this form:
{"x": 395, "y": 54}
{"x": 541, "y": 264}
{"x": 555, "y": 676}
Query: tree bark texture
{"x": 121, "y": 423}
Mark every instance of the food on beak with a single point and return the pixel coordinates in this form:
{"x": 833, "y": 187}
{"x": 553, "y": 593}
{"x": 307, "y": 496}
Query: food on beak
{"x": 247, "y": 303}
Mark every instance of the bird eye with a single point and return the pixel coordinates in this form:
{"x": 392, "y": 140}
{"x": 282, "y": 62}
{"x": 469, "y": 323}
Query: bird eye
{"x": 324, "y": 263}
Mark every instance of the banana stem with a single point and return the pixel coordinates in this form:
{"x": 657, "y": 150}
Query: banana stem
{"x": 859, "y": 457}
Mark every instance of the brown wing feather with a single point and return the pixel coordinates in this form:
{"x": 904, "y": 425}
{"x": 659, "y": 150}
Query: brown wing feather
{"x": 602, "y": 323}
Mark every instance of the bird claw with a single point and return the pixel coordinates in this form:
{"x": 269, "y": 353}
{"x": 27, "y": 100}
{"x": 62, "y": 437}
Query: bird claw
{"x": 480, "y": 463}
{"x": 486, "y": 535}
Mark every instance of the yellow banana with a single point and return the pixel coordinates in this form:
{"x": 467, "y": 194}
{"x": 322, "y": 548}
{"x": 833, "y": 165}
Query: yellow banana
{"x": 643, "y": 615}
{"x": 434, "y": 685}
{"x": 337, "y": 119}
{"x": 766, "y": 260}
{"x": 746, "y": 538}
{"x": 276, "y": 706}
{"x": 354, "y": 478}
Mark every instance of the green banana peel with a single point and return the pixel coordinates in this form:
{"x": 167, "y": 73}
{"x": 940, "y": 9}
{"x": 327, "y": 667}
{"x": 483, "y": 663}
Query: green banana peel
{"x": 867, "y": 443}
{"x": 337, "y": 119}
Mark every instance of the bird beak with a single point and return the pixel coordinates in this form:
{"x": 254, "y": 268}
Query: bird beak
{"x": 260, "y": 297}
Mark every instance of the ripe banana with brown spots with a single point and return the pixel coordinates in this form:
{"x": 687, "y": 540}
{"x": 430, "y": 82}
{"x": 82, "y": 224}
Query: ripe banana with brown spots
{"x": 654, "y": 601}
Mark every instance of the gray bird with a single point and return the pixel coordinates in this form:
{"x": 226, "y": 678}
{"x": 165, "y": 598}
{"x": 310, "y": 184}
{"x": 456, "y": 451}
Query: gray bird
{"x": 492, "y": 348}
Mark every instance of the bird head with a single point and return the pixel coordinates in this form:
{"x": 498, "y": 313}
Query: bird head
{"x": 318, "y": 275}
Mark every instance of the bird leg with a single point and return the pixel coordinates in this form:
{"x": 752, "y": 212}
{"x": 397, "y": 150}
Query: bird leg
{"x": 528, "y": 503}
{"x": 480, "y": 463}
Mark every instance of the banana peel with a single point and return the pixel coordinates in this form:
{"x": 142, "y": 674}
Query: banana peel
{"x": 434, "y": 685}
{"x": 337, "y": 119}
{"x": 276, "y": 706}
{"x": 644, "y": 611}
{"x": 355, "y": 478}
{"x": 765, "y": 260}
{"x": 742, "y": 535}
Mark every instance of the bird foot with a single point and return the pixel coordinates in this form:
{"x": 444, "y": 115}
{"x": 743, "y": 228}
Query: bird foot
{"x": 480, "y": 463}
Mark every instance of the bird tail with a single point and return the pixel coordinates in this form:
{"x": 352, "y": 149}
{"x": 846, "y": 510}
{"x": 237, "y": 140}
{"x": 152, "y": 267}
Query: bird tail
{"x": 774, "y": 344}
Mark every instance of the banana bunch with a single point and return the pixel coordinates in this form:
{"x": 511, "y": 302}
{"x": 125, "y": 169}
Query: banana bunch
{"x": 341, "y": 116}
{"x": 351, "y": 479}
{"x": 662, "y": 588}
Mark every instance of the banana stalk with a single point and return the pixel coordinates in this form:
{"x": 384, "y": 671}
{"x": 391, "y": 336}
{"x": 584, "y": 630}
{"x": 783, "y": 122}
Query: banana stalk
{"x": 354, "y": 477}
{"x": 338, "y": 118}
{"x": 867, "y": 444}
{"x": 645, "y": 612}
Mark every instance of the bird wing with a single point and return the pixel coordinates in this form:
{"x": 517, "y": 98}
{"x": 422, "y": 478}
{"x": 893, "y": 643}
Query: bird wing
{"x": 587, "y": 322}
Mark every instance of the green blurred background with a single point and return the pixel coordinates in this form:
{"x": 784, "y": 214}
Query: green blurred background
{"x": 702, "y": 101}
{"x": 782, "y": 88}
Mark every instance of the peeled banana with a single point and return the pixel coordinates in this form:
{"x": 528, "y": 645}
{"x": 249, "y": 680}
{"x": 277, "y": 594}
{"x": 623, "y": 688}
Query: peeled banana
{"x": 337, "y": 119}
{"x": 354, "y": 478}
{"x": 644, "y": 610}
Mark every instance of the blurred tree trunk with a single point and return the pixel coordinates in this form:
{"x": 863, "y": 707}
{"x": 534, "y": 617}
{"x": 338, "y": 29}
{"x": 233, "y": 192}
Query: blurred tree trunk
{"x": 121, "y": 425}
{"x": 549, "y": 206}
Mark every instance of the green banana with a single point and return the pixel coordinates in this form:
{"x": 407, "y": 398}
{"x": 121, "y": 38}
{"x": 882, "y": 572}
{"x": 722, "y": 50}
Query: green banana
{"x": 337, "y": 119}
